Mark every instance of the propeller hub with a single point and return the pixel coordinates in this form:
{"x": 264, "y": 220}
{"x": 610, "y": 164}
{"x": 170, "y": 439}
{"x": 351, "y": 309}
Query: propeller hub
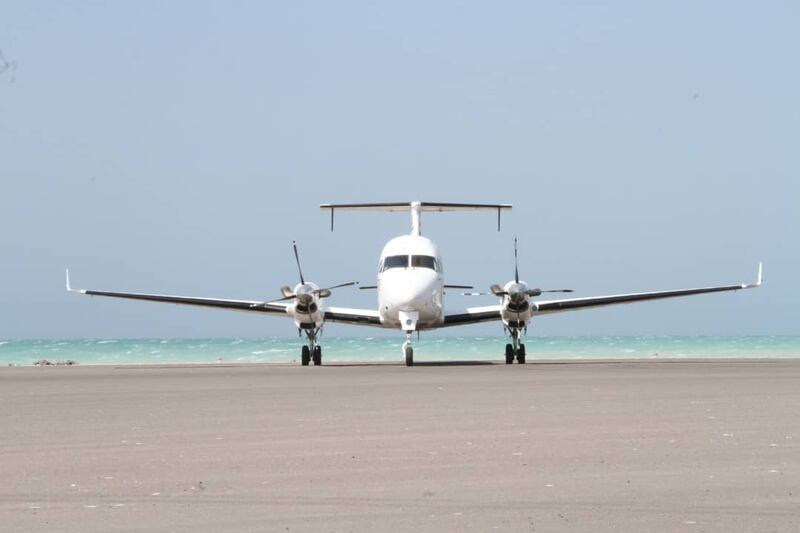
{"x": 305, "y": 292}
{"x": 517, "y": 291}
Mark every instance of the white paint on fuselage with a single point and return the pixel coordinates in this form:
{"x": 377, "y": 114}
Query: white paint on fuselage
{"x": 411, "y": 289}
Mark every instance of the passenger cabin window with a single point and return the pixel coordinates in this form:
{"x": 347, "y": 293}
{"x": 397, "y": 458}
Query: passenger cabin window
{"x": 395, "y": 261}
{"x": 424, "y": 261}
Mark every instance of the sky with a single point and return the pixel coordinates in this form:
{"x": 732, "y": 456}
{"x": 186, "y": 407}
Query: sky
{"x": 180, "y": 147}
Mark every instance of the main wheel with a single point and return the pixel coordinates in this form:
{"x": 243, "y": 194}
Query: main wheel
{"x": 521, "y": 354}
{"x": 509, "y": 354}
{"x": 409, "y": 351}
{"x": 317, "y": 355}
{"x": 305, "y": 356}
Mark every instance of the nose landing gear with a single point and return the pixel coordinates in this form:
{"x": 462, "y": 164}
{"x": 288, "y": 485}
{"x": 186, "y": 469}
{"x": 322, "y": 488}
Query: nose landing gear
{"x": 408, "y": 350}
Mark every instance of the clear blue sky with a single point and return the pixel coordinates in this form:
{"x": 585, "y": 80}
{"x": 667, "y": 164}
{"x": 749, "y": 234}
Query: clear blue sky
{"x": 179, "y": 147}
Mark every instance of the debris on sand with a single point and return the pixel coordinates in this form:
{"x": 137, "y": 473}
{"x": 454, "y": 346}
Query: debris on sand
{"x": 55, "y": 362}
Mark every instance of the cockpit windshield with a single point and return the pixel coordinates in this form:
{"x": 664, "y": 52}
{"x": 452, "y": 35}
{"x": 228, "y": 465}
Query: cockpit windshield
{"x": 417, "y": 261}
{"x": 395, "y": 261}
{"x": 423, "y": 261}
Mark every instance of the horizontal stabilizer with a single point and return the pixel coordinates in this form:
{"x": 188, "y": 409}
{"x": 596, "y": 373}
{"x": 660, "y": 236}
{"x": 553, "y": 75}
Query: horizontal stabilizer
{"x": 423, "y": 206}
{"x": 416, "y": 208}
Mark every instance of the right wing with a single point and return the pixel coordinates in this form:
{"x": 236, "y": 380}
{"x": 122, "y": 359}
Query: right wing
{"x": 356, "y": 317}
{"x": 366, "y": 317}
{"x": 276, "y": 308}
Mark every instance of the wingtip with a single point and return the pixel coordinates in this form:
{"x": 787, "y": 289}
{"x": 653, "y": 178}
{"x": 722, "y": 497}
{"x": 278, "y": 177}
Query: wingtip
{"x": 69, "y": 285}
{"x": 759, "y": 279}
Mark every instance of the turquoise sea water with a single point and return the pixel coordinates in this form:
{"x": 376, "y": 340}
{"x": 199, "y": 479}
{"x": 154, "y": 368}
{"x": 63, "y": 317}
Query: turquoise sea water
{"x": 366, "y": 349}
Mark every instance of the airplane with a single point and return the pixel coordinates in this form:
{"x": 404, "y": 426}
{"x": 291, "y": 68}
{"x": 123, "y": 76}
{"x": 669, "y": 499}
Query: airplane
{"x": 410, "y": 292}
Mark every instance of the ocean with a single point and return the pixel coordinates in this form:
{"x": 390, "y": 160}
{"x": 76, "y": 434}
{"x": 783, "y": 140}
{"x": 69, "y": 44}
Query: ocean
{"x": 377, "y": 349}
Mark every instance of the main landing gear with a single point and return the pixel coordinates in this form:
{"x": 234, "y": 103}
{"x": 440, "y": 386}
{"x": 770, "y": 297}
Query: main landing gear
{"x": 408, "y": 350}
{"x": 312, "y": 352}
{"x": 515, "y": 349}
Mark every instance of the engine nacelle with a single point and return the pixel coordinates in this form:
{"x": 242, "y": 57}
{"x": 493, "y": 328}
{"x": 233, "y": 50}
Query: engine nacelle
{"x": 517, "y": 305}
{"x": 307, "y": 309}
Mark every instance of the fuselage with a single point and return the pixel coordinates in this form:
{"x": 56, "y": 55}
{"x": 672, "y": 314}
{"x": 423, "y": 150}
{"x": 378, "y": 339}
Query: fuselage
{"x": 410, "y": 283}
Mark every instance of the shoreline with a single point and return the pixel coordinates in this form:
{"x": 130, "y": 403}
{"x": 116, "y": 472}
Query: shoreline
{"x": 421, "y": 363}
{"x": 354, "y": 350}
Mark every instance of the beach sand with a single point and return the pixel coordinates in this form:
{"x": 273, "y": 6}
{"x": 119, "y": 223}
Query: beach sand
{"x": 591, "y": 446}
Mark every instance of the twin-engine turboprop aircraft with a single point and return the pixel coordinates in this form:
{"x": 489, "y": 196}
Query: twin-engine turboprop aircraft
{"x": 410, "y": 287}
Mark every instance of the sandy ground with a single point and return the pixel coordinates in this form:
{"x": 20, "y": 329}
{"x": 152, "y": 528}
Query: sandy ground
{"x": 593, "y": 446}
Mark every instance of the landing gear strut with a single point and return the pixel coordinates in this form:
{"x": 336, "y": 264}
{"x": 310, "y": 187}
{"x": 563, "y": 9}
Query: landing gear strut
{"x": 515, "y": 348}
{"x": 312, "y": 352}
{"x": 408, "y": 350}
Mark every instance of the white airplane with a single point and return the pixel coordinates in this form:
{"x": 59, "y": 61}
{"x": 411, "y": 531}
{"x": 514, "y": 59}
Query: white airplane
{"x": 410, "y": 287}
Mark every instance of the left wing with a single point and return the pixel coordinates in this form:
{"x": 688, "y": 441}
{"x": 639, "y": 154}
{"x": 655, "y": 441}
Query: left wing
{"x": 573, "y": 304}
{"x": 473, "y": 315}
{"x": 493, "y": 312}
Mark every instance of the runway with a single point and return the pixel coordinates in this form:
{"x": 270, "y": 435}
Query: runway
{"x": 591, "y": 446}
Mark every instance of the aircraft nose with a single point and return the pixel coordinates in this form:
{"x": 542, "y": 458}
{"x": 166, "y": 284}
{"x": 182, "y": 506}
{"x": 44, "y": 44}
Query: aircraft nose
{"x": 413, "y": 294}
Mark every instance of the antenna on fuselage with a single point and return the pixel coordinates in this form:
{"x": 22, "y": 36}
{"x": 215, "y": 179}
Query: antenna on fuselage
{"x": 416, "y": 208}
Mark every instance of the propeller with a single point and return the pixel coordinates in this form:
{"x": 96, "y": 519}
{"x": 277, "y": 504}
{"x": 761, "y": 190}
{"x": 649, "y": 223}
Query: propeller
{"x": 517, "y": 290}
{"x": 305, "y": 293}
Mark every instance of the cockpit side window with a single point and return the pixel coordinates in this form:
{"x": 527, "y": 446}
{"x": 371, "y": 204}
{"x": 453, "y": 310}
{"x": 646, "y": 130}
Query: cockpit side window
{"x": 395, "y": 261}
{"x": 424, "y": 261}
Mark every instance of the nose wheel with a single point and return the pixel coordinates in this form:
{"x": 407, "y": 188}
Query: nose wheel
{"x": 408, "y": 350}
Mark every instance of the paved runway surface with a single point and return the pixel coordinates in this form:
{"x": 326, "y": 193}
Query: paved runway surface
{"x": 633, "y": 446}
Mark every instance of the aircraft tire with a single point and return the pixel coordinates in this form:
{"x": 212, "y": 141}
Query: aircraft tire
{"x": 305, "y": 356}
{"x": 409, "y": 353}
{"x": 317, "y": 356}
{"x": 521, "y": 354}
{"x": 509, "y": 354}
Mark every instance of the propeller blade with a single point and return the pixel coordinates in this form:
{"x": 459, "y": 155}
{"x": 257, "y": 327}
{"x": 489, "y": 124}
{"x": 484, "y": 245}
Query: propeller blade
{"x": 348, "y": 284}
{"x": 476, "y": 293}
{"x": 289, "y": 295}
{"x": 297, "y": 259}
{"x": 264, "y": 304}
{"x": 497, "y": 290}
{"x": 326, "y": 292}
{"x": 537, "y": 292}
{"x": 516, "y": 269}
